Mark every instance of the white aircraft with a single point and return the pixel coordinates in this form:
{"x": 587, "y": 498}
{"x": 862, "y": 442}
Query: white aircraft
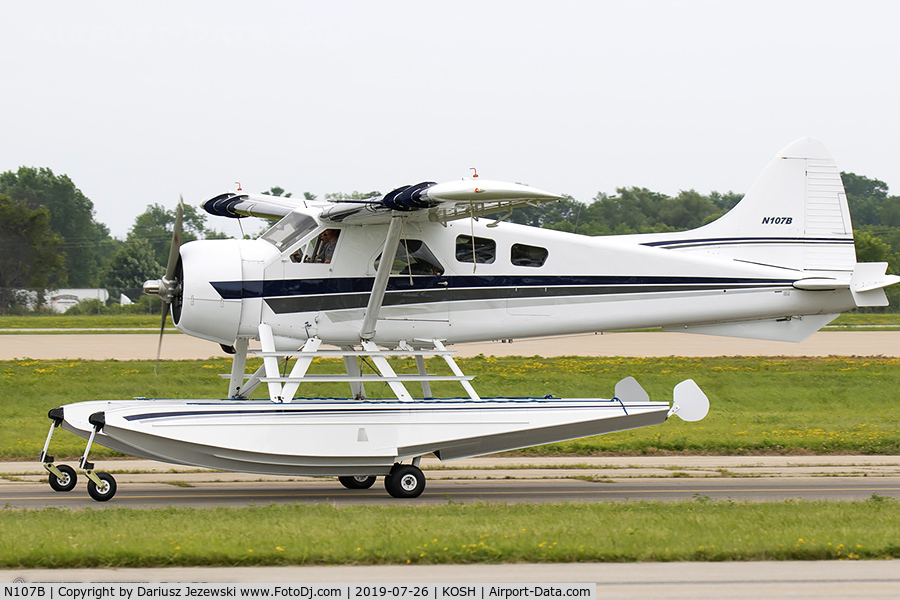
{"x": 407, "y": 274}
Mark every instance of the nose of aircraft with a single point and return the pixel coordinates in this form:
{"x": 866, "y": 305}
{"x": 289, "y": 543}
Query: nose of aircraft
{"x": 210, "y": 290}
{"x": 202, "y": 286}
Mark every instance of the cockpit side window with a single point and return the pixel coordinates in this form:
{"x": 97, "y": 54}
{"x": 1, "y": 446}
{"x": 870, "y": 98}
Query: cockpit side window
{"x": 523, "y": 255}
{"x": 414, "y": 258}
{"x": 475, "y": 250}
{"x": 289, "y": 230}
{"x": 319, "y": 250}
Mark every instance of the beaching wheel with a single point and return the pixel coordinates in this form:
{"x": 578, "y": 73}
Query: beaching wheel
{"x": 67, "y": 482}
{"x": 105, "y": 491}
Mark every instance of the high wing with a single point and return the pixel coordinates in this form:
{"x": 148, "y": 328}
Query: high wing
{"x": 236, "y": 205}
{"x": 438, "y": 202}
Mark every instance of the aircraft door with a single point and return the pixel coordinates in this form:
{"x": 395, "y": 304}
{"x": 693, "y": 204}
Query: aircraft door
{"x": 307, "y": 282}
{"x": 418, "y": 292}
{"x": 293, "y": 283}
{"x": 254, "y": 259}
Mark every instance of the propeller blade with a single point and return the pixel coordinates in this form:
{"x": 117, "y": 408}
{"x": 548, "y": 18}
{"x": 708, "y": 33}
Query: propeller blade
{"x": 176, "y": 240}
{"x": 170, "y": 274}
{"x": 162, "y": 326}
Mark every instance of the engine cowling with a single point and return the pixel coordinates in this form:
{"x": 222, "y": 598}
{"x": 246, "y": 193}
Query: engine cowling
{"x": 209, "y": 306}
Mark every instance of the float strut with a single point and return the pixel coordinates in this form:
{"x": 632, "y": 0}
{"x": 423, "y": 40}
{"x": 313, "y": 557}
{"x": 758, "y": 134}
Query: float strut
{"x": 56, "y": 417}
{"x": 98, "y": 420}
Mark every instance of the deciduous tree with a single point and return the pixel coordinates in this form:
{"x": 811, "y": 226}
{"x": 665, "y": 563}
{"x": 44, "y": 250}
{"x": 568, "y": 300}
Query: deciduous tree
{"x": 155, "y": 226}
{"x": 71, "y": 216}
{"x": 29, "y": 255}
{"x": 133, "y": 264}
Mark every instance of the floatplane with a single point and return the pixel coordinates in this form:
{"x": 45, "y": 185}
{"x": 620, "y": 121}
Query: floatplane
{"x": 424, "y": 267}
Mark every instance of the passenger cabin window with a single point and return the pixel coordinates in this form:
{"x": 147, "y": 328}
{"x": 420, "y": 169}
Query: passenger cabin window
{"x": 414, "y": 258}
{"x": 289, "y": 230}
{"x": 475, "y": 250}
{"x": 522, "y": 255}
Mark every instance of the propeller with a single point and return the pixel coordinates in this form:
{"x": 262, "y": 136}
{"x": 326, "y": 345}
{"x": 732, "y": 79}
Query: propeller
{"x": 169, "y": 287}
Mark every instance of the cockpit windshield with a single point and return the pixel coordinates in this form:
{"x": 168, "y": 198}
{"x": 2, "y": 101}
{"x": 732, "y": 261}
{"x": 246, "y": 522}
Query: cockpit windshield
{"x": 289, "y": 230}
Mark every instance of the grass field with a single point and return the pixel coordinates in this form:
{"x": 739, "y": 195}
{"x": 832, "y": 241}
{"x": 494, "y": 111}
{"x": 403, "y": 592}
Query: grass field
{"x": 82, "y": 322}
{"x": 758, "y": 405}
{"x": 454, "y": 533}
{"x": 867, "y": 319}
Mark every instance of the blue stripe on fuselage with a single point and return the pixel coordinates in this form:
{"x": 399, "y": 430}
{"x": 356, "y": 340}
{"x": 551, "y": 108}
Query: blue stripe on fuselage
{"x": 235, "y": 290}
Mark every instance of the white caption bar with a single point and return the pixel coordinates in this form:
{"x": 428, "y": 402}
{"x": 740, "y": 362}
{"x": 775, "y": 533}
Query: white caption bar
{"x": 431, "y": 591}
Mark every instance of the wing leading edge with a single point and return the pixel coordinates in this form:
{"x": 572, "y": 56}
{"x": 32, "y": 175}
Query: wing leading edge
{"x": 440, "y": 202}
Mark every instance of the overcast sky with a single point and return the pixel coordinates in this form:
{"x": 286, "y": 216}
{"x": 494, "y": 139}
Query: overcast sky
{"x": 141, "y": 102}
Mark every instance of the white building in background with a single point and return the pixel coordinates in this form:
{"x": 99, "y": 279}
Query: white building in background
{"x": 62, "y": 300}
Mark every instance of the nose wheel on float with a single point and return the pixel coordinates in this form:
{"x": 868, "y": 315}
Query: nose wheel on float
{"x": 63, "y": 478}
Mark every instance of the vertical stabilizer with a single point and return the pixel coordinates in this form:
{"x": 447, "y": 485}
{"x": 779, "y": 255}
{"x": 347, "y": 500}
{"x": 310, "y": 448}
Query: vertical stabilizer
{"x": 794, "y": 216}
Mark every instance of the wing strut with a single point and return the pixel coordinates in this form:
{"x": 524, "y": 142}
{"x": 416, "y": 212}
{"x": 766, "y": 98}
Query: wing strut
{"x": 367, "y": 331}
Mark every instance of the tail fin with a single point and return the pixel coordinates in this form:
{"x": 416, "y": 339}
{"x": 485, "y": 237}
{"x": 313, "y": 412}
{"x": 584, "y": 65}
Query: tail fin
{"x": 795, "y": 216}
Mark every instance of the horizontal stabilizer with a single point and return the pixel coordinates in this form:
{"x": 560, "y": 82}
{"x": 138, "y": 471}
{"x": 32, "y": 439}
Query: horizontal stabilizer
{"x": 819, "y": 284}
{"x": 792, "y": 329}
{"x": 868, "y": 282}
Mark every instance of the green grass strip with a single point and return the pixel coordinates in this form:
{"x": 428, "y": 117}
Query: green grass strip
{"x": 82, "y": 321}
{"x": 700, "y": 530}
{"x": 757, "y": 405}
{"x": 867, "y": 319}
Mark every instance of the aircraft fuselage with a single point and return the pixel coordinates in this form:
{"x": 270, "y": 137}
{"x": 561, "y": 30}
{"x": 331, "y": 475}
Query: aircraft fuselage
{"x": 527, "y": 282}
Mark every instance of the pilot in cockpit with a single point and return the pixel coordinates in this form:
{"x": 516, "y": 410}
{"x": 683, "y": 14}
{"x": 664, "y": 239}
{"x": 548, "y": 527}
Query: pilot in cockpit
{"x": 324, "y": 249}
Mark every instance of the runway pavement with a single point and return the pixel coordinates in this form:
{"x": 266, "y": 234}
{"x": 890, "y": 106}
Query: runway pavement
{"x": 145, "y": 484}
{"x": 100, "y": 346}
{"x": 180, "y": 494}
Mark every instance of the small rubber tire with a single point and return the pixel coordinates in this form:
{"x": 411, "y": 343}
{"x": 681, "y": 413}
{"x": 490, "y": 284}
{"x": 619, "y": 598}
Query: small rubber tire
{"x": 357, "y": 482}
{"x": 68, "y": 481}
{"x": 405, "y": 481}
{"x": 105, "y": 492}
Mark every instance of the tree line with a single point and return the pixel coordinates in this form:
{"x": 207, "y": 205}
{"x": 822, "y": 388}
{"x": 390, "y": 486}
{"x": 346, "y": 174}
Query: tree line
{"x": 50, "y": 238}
